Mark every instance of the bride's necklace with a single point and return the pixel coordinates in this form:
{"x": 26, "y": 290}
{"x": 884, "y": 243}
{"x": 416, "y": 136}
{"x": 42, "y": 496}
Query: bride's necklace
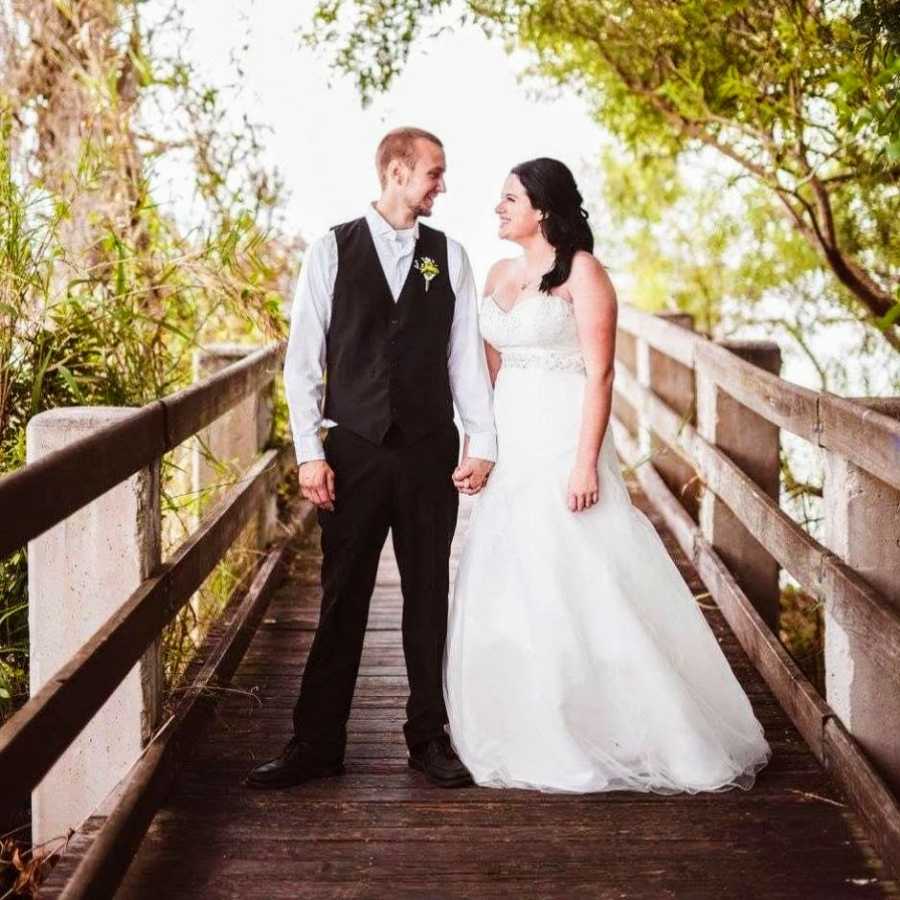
{"x": 524, "y": 284}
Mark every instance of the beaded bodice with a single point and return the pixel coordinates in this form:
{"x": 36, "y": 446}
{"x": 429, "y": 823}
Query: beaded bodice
{"x": 539, "y": 332}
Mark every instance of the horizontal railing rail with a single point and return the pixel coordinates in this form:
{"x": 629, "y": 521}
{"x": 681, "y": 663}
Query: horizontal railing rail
{"x": 105, "y": 855}
{"x": 46, "y": 492}
{"x": 817, "y": 569}
{"x": 37, "y": 735}
{"x": 41, "y": 494}
{"x": 865, "y": 436}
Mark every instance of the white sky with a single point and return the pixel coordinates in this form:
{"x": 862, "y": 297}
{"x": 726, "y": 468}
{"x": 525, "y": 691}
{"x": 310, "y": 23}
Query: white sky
{"x": 460, "y": 85}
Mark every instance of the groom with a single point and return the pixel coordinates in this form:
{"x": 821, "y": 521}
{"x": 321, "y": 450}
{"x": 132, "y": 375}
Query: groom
{"x": 384, "y": 329}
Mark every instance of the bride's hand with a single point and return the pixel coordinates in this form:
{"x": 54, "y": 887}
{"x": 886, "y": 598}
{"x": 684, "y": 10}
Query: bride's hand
{"x": 584, "y": 489}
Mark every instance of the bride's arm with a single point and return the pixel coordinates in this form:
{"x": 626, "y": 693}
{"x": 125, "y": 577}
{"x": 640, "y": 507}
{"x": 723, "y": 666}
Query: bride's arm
{"x": 493, "y": 361}
{"x": 594, "y": 302}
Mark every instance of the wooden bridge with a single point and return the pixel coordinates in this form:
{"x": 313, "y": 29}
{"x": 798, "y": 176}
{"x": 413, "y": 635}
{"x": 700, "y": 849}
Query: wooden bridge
{"x": 699, "y": 423}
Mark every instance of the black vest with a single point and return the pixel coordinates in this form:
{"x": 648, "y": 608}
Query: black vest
{"x": 387, "y": 361}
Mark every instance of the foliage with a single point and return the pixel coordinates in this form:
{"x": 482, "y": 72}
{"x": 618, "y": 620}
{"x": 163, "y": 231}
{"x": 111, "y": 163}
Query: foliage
{"x": 690, "y": 235}
{"x": 22, "y": 869}
{"x": 802, "y": 631}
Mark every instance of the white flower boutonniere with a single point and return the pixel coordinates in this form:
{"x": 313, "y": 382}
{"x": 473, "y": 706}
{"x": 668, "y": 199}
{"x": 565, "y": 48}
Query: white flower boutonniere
{"x": 429, "y": 269}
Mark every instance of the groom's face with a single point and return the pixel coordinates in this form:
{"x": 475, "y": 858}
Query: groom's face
{"x": 420, "y": 184}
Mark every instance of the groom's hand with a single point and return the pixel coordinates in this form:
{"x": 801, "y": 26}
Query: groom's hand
{"x": 316, "y": 479}
{"x": 470, "y": 475}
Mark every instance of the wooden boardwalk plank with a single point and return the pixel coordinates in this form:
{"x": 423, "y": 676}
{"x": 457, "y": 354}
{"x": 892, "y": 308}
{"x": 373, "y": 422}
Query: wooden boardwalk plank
{"x": 382, "y": 831}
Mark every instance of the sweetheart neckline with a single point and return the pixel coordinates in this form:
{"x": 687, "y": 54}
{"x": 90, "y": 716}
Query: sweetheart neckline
{"x": 518, "y": 303}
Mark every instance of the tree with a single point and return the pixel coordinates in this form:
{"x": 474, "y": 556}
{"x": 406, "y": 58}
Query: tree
{"x": 800, "y": 95}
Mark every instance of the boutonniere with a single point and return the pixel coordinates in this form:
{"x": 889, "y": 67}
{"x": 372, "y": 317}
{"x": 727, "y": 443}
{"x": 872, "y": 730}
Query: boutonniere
{"x": 429, "y": 269}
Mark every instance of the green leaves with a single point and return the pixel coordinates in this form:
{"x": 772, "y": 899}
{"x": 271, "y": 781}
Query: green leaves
{"x": 71, "y": 383}
{"x": 889, "y": 318}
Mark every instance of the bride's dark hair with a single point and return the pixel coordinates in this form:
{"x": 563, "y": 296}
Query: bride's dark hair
{"x": 551, "y": 189}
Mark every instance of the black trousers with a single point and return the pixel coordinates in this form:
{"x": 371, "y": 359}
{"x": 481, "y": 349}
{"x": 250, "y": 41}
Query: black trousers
{"x": 404, "y": 487}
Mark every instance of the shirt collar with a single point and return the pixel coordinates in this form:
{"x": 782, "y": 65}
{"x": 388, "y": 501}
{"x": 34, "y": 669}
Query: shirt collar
{"x": 381, "y": 227}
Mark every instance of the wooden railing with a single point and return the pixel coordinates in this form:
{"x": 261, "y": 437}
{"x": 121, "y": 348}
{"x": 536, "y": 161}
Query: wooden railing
{"x": 699, "y": 421}
{"x": 46, "y": 492}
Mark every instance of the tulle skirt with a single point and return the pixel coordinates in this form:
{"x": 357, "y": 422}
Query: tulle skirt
{"x": 576, "y": 657}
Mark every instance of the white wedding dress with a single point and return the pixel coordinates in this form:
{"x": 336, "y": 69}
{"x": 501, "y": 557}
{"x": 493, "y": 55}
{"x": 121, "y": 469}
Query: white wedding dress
{"x": 576, "y": 657}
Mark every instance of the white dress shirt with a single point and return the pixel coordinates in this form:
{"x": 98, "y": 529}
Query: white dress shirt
{"x": 304, "y": 364}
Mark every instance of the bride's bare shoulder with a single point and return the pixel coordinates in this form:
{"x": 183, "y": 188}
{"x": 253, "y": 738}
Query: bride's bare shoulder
{"x": 497, "y": 273}
{"x": 589, "y": 273}
{"x": 586, "y": 265}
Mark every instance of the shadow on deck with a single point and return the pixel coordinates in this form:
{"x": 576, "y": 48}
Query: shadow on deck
{"x": 382, "y": 831}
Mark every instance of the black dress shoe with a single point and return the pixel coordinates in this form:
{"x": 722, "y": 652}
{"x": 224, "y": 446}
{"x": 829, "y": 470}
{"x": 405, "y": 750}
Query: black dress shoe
{"x": 440, "y": 763}
{"x": 296, "y": 764}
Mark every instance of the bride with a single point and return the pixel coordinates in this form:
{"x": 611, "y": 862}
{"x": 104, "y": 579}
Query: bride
{"x": 576, "y": 657}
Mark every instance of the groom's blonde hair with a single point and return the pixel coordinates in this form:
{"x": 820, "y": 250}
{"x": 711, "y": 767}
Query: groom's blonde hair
{"x": 400, "y": 144}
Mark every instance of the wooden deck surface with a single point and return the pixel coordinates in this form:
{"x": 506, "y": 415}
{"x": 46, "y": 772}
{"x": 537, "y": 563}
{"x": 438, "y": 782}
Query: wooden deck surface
{"x": 382, "y": 831}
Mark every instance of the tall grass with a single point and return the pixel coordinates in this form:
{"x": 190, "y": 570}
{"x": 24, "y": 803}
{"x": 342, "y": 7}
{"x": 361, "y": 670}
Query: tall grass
{"x": 29, "y": 379}
{"x": 120, "y": 329}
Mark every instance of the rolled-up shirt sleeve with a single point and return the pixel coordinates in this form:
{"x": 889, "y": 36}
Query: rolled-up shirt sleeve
{"x": 304, "y": 362}
{"x": 470, "y": 382}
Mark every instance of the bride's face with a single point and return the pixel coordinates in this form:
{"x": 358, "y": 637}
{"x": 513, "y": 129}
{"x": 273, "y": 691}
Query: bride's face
{"x": 518, "y": 218}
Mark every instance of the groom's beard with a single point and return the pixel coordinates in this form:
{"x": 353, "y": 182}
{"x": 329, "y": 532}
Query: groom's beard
{"x": 423, "y": 208}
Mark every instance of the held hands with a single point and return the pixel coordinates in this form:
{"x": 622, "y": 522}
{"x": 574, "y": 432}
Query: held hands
{"x": 584, "y": 489}
{"x": 470, "y": 476}
{"x": 316, "y": 479}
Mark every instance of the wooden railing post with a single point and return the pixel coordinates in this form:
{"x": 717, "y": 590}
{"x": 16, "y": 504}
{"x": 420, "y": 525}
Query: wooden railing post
{"x": 862, "y": 527}
{"x": 673, "y": 383}
{"x": 626, "y": 356}
{"x": 236, "y": 438}
{"x": 78, "y": 573}
{"x": 752, "y": 442}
